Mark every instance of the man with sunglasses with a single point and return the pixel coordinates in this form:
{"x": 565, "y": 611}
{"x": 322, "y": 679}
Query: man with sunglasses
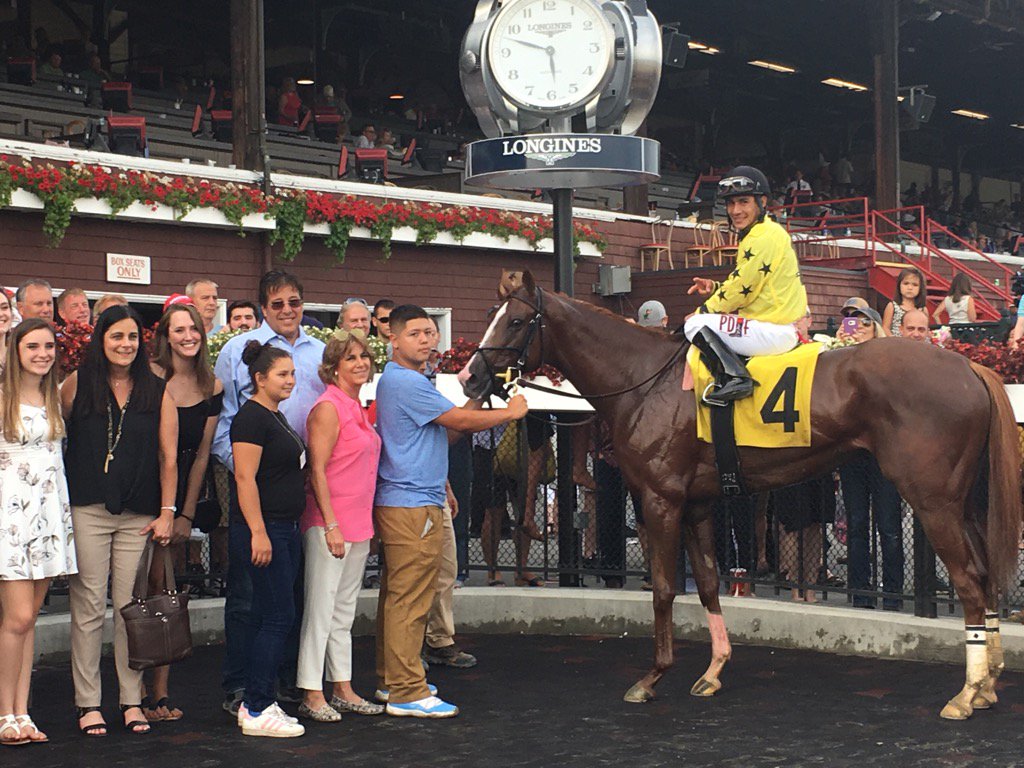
{"x": 381, "y": 317}
{"x": 755, "y": 309}
{"x": 280, "y": 297}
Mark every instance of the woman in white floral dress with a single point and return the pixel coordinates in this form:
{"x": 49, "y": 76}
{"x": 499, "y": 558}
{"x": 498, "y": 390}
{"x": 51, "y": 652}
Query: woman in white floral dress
{"x": 36, "y": 541}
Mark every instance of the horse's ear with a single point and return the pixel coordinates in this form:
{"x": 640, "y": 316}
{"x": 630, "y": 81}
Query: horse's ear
{"x": 528, "y": 283}
{"x": 511, "y": 280}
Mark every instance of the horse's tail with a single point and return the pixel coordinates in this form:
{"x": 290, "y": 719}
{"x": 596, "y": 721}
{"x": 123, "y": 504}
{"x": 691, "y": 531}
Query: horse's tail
{"x": 1004, "y": 515}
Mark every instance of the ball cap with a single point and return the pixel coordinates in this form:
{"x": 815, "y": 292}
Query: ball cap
{"x": 858, "y": 306}
{"x": 651, "y": 314}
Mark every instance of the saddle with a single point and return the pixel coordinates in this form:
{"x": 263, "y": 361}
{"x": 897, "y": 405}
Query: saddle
{"x": 776, "y": 415}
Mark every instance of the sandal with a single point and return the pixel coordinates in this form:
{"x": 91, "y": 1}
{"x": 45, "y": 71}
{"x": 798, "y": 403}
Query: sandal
{"x": 95, "y": 730}
{"x": 9, "y": 724}
{"x": 135, "y": 726}
{"x": 36, "y": 736}
{"x": 152, "y": 713}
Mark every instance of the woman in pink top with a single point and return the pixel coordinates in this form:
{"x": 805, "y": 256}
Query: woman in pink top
{"x": 336, "y": 528}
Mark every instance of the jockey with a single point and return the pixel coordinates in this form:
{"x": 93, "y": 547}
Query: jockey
{"x": 754, "y": 311}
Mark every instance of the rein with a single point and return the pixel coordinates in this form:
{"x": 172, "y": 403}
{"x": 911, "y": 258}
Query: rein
{"x": 536, "y": 328}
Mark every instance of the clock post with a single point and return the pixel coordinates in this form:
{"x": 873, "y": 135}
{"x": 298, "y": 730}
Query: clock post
{"x": 531, "y": 70}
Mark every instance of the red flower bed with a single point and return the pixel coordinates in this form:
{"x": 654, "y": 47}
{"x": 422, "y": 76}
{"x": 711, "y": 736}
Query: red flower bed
{"x": 456, "y": 358}
{"x": 1006, "y": 361}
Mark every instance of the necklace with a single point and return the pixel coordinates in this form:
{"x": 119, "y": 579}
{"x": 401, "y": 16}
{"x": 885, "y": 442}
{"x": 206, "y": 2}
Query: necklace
{"x": 288, "y": 428}
{"x": 112, "y": 440}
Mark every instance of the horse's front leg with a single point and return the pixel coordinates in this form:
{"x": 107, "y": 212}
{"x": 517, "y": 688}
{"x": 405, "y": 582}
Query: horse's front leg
{"x": 700, "y": 544}
{"x": 663, "y": 525}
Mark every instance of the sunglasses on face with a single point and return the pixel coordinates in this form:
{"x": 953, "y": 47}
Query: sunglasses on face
{"x": 278, "y": 304}
{"x": 352, "y": 300}
{"x": 385, "y": 319}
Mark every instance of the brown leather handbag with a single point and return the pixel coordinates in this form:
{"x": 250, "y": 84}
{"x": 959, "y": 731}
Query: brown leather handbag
{"x": 157, "y": 626}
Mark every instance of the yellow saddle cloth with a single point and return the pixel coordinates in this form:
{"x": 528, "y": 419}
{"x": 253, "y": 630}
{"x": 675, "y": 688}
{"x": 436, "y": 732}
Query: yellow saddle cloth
{"x": 778, "y": 414}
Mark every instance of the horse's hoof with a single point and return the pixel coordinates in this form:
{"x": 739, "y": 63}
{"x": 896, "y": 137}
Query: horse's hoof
{"x": 705, "y": 687}
{"x": 638, "y": 694}
{"x": 956, "y": 710}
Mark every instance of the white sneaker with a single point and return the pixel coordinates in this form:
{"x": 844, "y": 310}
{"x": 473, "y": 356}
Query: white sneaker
{"x": 280, "y": 712}
{"x": 271, "y": 723}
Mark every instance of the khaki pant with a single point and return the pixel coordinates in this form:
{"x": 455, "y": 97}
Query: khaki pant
{"x": 441, "y": 621}
{"x": 107, "y": 546}
{"x": 412, "y": 539}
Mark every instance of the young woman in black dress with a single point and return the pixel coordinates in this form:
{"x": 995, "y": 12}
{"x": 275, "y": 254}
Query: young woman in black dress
{"x": 181, "y": 359}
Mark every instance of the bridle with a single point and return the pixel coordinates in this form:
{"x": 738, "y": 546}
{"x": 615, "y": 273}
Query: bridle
{"x": 535, "y": 328}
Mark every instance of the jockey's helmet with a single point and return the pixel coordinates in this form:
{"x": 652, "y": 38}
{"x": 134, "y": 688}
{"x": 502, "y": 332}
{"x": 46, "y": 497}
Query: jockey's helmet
{"x": 744, "y": 180}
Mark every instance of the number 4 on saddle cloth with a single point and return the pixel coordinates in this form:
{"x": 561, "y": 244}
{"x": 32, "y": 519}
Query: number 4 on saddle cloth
{"x": 778, "y": 414}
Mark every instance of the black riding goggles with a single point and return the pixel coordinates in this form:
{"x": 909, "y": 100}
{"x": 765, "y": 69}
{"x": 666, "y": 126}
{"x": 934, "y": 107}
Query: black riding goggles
{"x": 738, "y": 185}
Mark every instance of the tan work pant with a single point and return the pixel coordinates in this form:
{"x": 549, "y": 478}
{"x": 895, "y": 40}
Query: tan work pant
{"x": 412, "y": 539}
{"x": 441, "y": 620}
{"x": 107, "y": 546}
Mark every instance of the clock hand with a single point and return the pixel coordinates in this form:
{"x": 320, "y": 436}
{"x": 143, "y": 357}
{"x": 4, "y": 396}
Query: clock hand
{"x": 551, "y": 58}
{"x": 530, "y": 45}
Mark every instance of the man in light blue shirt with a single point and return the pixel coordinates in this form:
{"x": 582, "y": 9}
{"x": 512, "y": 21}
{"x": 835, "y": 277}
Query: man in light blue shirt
{"x": 414, "y": 419}
{"x": 281, "y": 301}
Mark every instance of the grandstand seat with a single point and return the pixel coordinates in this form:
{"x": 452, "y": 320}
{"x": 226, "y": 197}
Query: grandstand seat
{"x": 151, "y": 78}
{"x": 409, "y": 153}
{"x": 127, "y": 135}
{"x": 326, "y": 126}
{"x": 116, "y": 96}
{"x": 223, "y": 125}
{"x": 21, "y": 70}
{"x": 372, "y": 165}
{"x": 197, "y": 121}
{"x": 343, "y": 163}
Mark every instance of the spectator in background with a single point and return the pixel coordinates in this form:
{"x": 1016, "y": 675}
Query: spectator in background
{"x": 94, "y": 76}
{"x": 106, "y": 301}
{"x": 865, "y": 490}
{"x": 203, "y": 293}
{"x": 802, "y": 511}
{"x": 798, "y": 189}
{"x": 51, "y": 66}
{"x": 288, "y": 103}
{"x": 959, "y": 303}
{"x": 269, "y": 458}
{"x": 354, "y": 315}
{"x": 386, "y": 140}
{"x": 381, "y": 317}
{"x": 38, "y": 542}
{"x": 367, "y": 138}
{"x": 915, "y": 326}
{"x": 337, "y": 525}
{"x": 35, "y": 299}
{"x": 413, "y": 419}
{"x": 910, "y": 294}
{"x": 243, "y": 315}
{"x": 652, "y": 314}
{"x": 281, "y": 303}
{"x": 73, "y": 307}
{"x": 122, "y": 430}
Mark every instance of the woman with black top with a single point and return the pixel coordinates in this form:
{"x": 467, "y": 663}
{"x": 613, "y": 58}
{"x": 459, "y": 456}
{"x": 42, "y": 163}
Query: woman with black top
{"x": 181, "y": 359}
{"x": 269, "y": 462}
{"x": 122, "y": 475}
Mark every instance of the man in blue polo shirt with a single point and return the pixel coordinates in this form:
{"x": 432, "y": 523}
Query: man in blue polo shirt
{"x": 414, "y": 419}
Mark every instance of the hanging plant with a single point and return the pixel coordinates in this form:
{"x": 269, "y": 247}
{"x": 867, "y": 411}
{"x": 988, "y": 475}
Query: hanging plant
{"x": 337, "y": 239}
{"x": 290, "y": 216}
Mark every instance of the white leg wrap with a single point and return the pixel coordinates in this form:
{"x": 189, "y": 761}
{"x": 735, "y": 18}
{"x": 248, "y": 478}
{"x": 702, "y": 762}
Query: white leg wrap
{"x": 977, "y": 656}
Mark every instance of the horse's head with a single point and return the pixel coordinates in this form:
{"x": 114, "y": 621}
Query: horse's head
{"x": 513, "y": 339}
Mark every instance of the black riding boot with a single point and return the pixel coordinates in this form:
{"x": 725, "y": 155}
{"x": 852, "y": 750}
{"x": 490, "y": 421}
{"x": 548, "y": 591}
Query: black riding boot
{"x": 731, "y": 376}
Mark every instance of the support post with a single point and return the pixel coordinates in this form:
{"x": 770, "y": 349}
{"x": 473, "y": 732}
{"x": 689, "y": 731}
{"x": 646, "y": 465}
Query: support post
{"x": 247, "y": 85}
{"x": 568, "y": 541}
{"x": 885, "y": 44}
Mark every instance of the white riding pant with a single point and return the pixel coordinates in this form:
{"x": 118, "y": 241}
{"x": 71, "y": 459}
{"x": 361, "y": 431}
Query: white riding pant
{"x": 745, "y": 337}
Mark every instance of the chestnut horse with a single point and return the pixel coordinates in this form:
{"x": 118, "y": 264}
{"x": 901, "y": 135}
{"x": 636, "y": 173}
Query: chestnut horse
{"x": 967, "y": 494}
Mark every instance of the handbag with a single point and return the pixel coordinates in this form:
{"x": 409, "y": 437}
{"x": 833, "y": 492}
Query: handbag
{"x": 157, "y": 626}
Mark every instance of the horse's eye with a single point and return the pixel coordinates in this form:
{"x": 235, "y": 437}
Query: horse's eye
{"x": 515, "y": 323}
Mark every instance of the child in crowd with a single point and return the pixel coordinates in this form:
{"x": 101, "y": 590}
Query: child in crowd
{"x": 910, "y": 294}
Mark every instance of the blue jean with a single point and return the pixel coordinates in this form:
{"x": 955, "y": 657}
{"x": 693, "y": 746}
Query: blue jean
{"x": 239, "y": 628}
{"x": 865, "y": 488}
{"x": 273, "y": 611}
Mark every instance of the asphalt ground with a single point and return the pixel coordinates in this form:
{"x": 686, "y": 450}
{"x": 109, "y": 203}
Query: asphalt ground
{"x": 557, "y": 701}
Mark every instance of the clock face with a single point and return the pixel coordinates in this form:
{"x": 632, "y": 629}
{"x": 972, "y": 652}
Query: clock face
{"x": 550, "y": 54}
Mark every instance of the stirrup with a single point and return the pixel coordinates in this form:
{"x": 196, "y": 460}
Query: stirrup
{"x": 709, "y": 399}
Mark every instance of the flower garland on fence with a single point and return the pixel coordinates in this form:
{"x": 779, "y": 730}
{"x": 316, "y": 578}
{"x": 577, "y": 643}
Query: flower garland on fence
{"x": 378, "y": 347}
{"x": 456, "y": 358}
{"x": 59, "y": 187}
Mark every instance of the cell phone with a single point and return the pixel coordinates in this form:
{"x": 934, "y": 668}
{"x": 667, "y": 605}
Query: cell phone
{"x": 850, "y": 325}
